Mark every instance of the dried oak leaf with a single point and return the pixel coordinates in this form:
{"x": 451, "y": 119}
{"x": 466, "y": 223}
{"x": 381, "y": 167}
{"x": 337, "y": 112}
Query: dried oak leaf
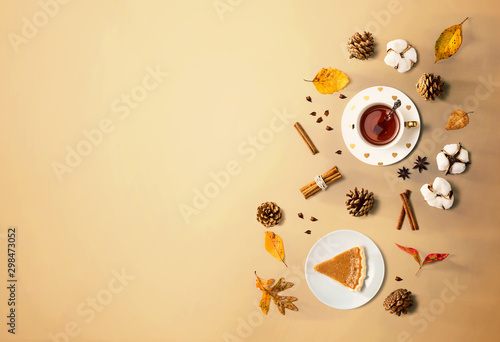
{"x": 268, "y": 292}
{"x": 329, "y": 81}
{"x": 458, "y": 119}
{"x": 448, "y": 42}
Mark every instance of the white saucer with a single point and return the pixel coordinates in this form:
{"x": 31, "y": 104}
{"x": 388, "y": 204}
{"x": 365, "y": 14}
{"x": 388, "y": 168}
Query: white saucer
{"x": 328, "y": 290}
{"x": 376, "y": 155}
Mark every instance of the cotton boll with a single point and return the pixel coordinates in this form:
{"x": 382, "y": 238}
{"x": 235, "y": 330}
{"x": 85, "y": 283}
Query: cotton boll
{"x": 398, "y": 45}
{"x": 441, "y": 195}
{"x": 457, "y": 168}
{"x": 427, "y": 193}
{"x": 453, "y": 159}
{"x": 435, "y": 202}
{"x": 441, "y": 186}
{"x": 442, "y": 161}
{"x": 451, "y": 149}
{"x": 411, "y": 54}
{"x": 441, "y": 203}
{"x": 392, "y": 59}
{"x": 395, "y": 57}
{"x": 404, "y": 65}
{"x": 463, "y": 155}
{"x": 447, "y": 203}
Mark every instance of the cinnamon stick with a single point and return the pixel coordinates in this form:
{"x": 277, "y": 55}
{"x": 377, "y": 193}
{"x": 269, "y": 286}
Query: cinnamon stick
{"x": 314, "y": 189}
{"x": 401, "y": 218}
{"x": 402, "y": 213}
{"x": 306, "y": 138}
{"x": 329, "y": 177}
{"x": 411, "y": 215}
{"x": 409, "y": 211}
{"x": 326, "y": 176}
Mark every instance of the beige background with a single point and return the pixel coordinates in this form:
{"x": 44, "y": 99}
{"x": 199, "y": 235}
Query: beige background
{"x": 229, "y": 72}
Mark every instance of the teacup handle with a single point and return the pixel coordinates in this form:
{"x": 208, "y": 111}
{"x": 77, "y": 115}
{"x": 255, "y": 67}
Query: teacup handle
{"x": 410, "y": 124}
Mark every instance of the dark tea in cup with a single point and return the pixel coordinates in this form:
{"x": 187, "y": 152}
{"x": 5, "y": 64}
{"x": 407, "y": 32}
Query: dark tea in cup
{"x": 374, "y": 127}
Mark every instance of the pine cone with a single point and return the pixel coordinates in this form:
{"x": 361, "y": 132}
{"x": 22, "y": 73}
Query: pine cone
{"x": 398, "y": 302}
{"x": 269, "y": 214}
{"x": 359, "y": 202}
{"x": 429, "y": 86}
{"x": 360, "y": 46}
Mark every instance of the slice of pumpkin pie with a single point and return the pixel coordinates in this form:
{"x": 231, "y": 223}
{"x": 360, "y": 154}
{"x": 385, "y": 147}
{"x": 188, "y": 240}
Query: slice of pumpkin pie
{"x": 348, "y": 268}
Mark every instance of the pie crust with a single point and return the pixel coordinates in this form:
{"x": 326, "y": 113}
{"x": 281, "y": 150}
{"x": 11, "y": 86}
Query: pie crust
{"x": 347, "y": 268}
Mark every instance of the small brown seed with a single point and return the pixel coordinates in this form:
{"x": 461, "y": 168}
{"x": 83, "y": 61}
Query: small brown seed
{"x": 398, "y": 278}
{"x": 339, "y": 152}
{"x": 308, "y": 99}
{"x": 328, "y": 128}
{"x": 313, "y": 218}
{"x": 320, "y": 119}
{"x": 313, "y": 113}
{"x": 307, "y": 231}
{"x": 327, "y": 112}
{"x": 301, "y": 215}
{"x": 342, "y": 96}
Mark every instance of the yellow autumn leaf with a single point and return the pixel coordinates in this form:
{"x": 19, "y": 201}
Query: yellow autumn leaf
{"x": 274, "y": 245}
{"x": 448, "y": 42}
{"x": 329, "y": 80}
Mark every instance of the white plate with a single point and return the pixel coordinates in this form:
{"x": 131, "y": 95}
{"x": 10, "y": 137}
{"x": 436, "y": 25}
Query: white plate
{"x": 329, "y": 291}
{"x": 376, "y": 155}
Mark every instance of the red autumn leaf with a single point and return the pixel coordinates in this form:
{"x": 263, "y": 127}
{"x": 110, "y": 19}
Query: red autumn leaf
{"x": 434, "y": 257}
{"x": 428, "y": 259}
{"x": 412, "y": 251}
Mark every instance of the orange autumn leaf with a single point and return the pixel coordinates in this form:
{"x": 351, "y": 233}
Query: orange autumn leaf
{"x": 274, "y": 245}
{"x": 328, "y": 80}
{"x": 268, "y": 293}
{"x": 458, "y": 119}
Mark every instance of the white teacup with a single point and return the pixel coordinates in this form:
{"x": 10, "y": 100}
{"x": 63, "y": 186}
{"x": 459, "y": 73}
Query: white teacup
{"x": 388, "y": 133}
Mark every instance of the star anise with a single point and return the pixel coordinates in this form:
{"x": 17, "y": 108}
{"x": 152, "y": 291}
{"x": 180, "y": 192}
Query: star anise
{"x": 420, "y": 164}
{"x": 404, "y": 173}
